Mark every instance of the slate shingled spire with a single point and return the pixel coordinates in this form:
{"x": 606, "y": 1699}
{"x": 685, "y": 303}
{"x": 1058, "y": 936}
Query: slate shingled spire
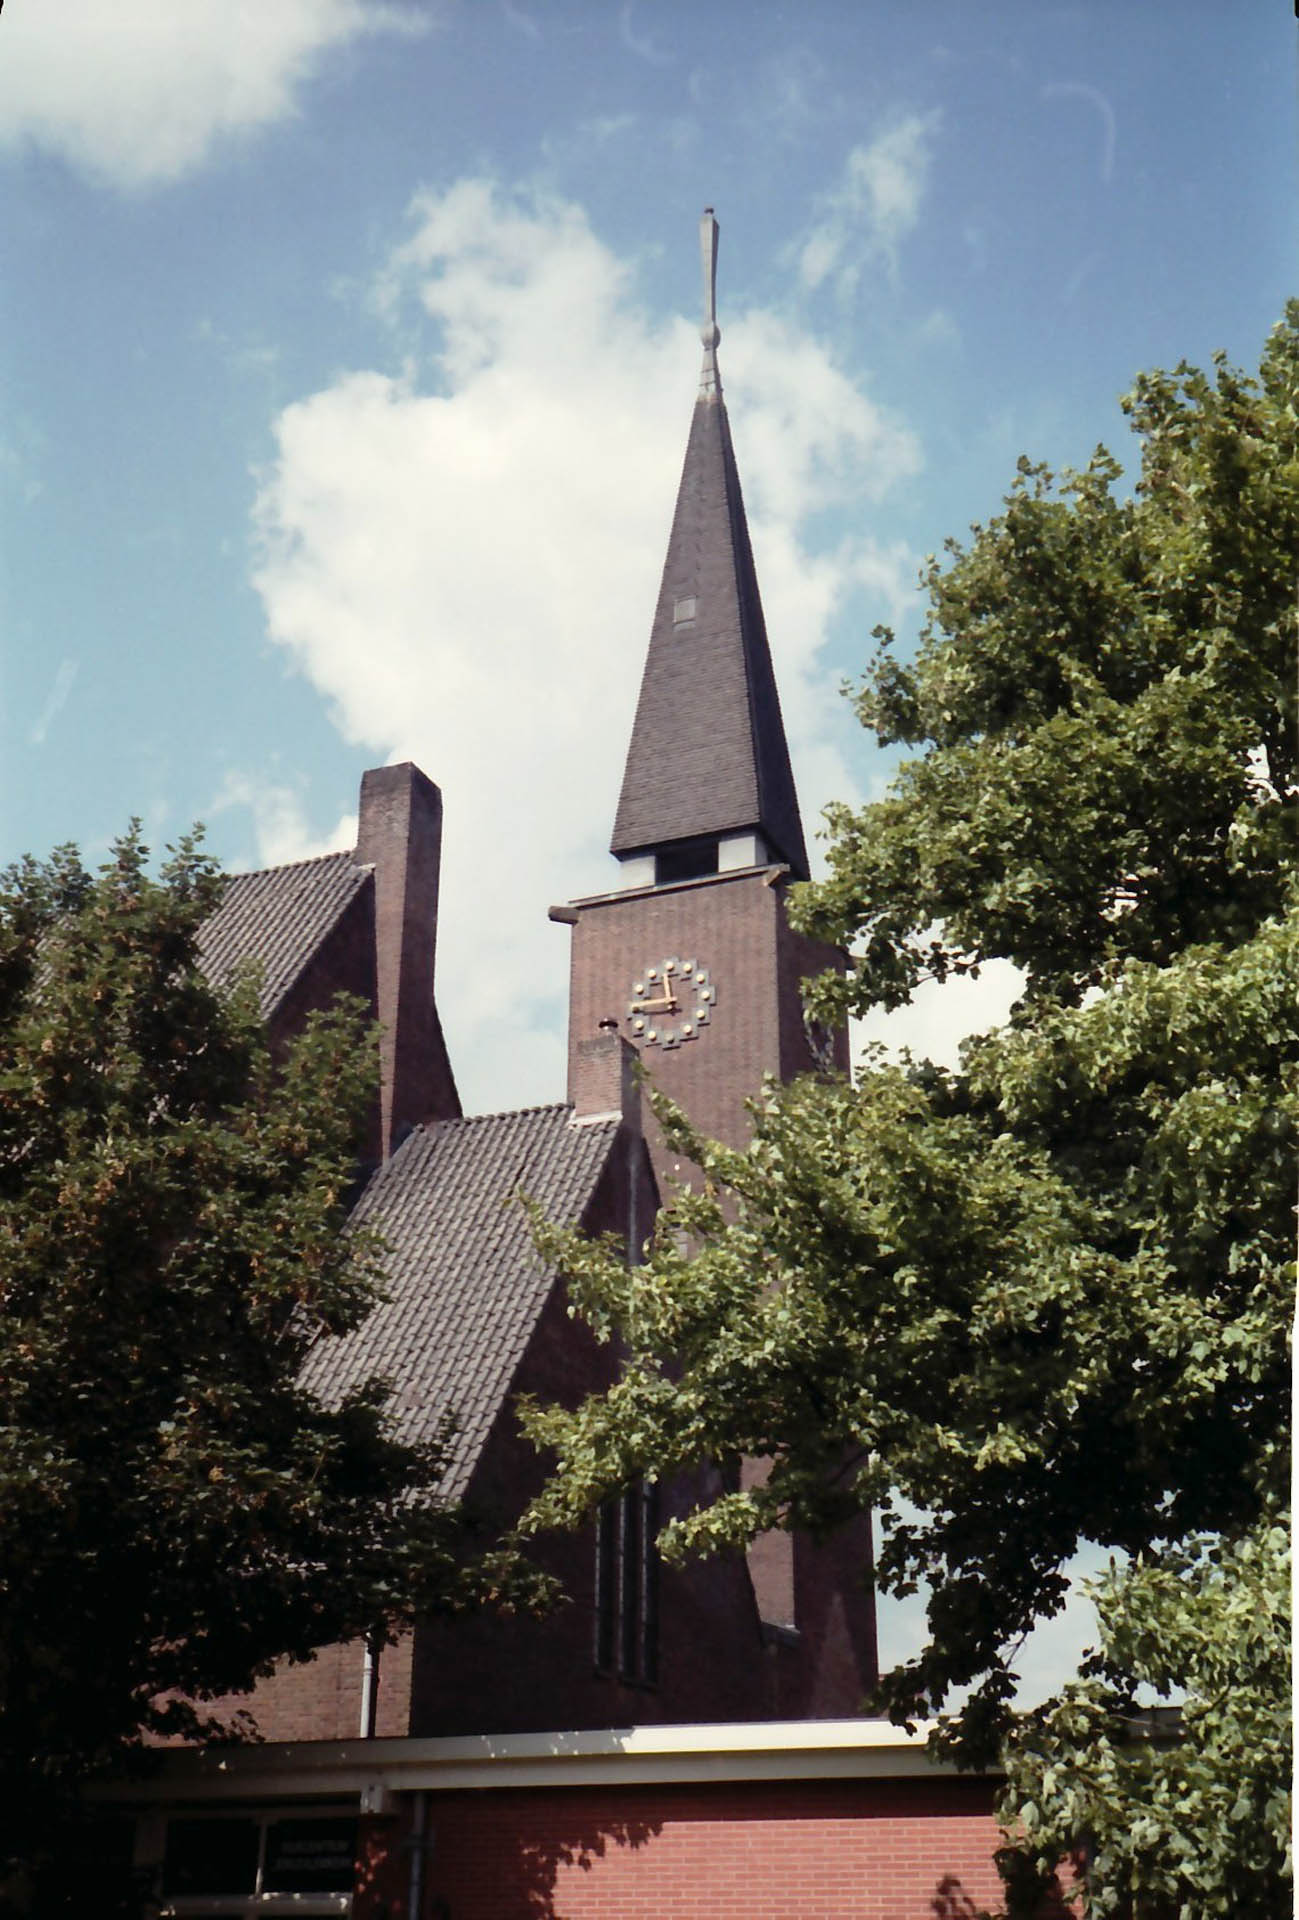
{"x": 708, "y": 755}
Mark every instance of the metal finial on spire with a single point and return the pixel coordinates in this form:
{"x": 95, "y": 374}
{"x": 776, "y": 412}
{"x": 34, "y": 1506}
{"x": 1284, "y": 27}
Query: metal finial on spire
{"x": 709, "y": 379}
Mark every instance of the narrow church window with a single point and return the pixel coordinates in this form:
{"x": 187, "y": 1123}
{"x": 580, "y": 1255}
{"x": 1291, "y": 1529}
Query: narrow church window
{"x": 606, "y": 1582}
{"x": 627, "y": 1586}
{"x": 683, "y": 611}
{"x": 633, "y": 1542}
{"x": 649, "y": 1584}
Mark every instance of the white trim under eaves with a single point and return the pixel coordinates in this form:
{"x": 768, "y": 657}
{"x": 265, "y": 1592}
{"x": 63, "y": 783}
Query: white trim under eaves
{"x": 626, "y": 1756}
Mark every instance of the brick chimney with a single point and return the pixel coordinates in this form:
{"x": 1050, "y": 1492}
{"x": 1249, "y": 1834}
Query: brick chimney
{"x": 400, "y": 836}
{"x": 604, "y": 1085}
{"x": 604, "y": 1078}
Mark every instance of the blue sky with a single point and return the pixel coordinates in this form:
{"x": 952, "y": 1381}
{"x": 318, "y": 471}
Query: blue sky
{"x": 348, "y": 349}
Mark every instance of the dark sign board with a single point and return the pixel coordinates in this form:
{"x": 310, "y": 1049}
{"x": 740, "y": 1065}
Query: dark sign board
{"x": 211, "y": 1856}
{"x": 309, "y": 1856}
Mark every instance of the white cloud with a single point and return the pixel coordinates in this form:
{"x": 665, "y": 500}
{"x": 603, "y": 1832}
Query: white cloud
{"x": 282, "y": 832}
{"x": 643, "y": 45}
{"x": 876, "y": 204}
{"x": 138, "y": 93}
{"x": 1077, "y": 89}
{"x": 939, "y": 329}
{"x": 56, "y": 700}
{"x": 937, "y": 1019}
{"x": 465, "y": 560}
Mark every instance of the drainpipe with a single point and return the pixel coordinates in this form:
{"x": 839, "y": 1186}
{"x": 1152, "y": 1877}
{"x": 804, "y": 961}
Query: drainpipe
{"x": 419, "y": 1845}
{"x": 369, "y": 1669}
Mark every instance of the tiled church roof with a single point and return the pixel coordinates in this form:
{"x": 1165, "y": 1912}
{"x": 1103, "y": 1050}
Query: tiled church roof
{"x": 278, "y": 918}
{"x": 465, "y": 1285}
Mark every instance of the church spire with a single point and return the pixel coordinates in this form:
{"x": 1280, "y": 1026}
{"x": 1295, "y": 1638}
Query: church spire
{"x": 708, "y": 777}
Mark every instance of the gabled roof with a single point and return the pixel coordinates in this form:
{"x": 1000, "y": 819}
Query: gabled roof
{"x": 278, "y": 918}
{"x": 708, "y": 753}
{"x": 465, "y": 1285}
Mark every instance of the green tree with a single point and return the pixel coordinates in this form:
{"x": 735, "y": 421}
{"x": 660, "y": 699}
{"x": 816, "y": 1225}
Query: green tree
{"x": 1189, "y": 1817}
{"x": 1044, "y": 1299}
{"x": 176, "y": 1512}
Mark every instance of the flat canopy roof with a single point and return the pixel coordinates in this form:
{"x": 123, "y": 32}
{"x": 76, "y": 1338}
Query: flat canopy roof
{"x": 374, "y": 1769}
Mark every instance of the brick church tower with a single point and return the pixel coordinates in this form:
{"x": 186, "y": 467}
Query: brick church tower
{"x": 693, "y": 954}
{"x": 694, "y": 957}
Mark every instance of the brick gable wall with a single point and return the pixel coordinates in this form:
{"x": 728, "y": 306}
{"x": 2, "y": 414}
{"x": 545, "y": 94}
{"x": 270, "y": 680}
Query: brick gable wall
{"x": 485, "y": 1674}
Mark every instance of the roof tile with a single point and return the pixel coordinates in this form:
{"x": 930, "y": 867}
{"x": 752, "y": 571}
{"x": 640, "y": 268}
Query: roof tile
{"x": 465, "y": 1285}
{"x": 708, "y": 753}
{"x": 278, "y": 918}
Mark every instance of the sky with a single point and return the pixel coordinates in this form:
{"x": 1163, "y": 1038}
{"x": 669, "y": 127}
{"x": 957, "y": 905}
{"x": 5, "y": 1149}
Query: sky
{"x": 347, "y": 356}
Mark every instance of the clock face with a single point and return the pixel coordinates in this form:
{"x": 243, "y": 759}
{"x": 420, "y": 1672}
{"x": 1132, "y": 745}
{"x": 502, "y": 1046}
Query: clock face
{"x": 671, "y": 1002}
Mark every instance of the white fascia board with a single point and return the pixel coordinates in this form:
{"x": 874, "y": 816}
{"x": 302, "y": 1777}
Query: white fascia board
{"x": 630, "y": 1756}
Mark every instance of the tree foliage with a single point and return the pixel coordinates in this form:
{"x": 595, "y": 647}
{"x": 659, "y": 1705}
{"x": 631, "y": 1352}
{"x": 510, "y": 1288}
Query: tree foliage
{"x": 1044, "y": 1299}
{"x": 1104, "y": 696}
{"x": 176, "y": 1512}
{"x": 1185, "y": 1810}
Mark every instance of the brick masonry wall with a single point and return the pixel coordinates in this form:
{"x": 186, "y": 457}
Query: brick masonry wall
{"x": 787, "y": 1850}
{"x": 492, "y": 1674}
{"x": 320, "y": 1699}
{"x": 729, "y": 926}
{"x": 343, "y": 963}
{"x": 400, "y": 834}
{"x": 735, "y": 926}
{"x": 799, "y": 959}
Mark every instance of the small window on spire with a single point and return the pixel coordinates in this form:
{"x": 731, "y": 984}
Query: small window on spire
{"x": 683, "y": 611}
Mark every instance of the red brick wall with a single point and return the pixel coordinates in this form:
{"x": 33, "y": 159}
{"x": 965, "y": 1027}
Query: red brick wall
{"x": 343, "y": 963}
{"x": 735, "y": 926}
{"x": 319, "y": 1700}
{"x": 799, "y": 959}
{"x": 488, "y": 1674}
{"x": 400, "y": 834}
{"x": 382, "y": 1886}
{"x": 729, "y": 926}
{"x": 791, "y": 1850}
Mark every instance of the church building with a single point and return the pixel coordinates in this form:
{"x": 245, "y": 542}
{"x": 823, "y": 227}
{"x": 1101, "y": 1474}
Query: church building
{"x": 671, "y": 1740}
